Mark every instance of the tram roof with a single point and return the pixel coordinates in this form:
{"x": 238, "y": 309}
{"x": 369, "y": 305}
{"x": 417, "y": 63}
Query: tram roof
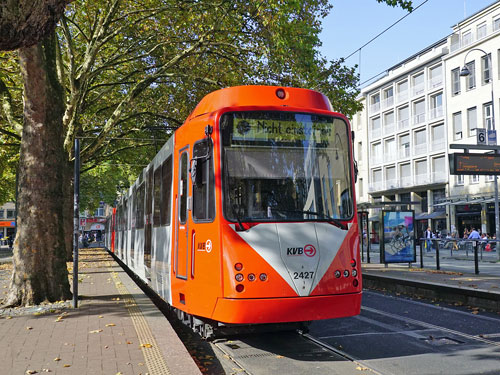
{"x": 247, "y": 96}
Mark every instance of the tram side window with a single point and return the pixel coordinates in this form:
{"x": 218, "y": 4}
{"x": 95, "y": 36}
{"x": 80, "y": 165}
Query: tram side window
{"x": 166, "y": 191}
{"x": 140, "y": 207}
{"x": 157, "y": 197}
{"x": 203, "y": 183}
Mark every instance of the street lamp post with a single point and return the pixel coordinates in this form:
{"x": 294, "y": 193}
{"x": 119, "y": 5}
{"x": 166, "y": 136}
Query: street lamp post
{"x": 464, "y": 72}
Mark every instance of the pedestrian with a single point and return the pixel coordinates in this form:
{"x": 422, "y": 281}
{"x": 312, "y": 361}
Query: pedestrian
{"x": 428, "y": 238}
{"x": 474, "y": 235}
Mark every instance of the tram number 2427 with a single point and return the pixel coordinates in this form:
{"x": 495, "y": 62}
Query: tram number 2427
{"x": 303, "y": 275}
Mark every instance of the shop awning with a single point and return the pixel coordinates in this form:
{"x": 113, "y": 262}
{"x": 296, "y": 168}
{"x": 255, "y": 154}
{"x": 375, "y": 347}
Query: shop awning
{"x": 432, "y": 215}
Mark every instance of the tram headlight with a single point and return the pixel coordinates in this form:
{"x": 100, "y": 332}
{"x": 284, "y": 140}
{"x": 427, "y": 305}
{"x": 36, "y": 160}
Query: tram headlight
{"x": 238, "y": 266}
{"x": 346, "y": 273}
{"x": 354, "y": 273}
{"x": 263, "y": 277}
{"x": 337, "y": 274}
{"x": 239, "y": 277}
{"x": 251, "y": 277}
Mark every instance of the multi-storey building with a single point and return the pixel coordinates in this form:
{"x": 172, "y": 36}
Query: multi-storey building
{"x": 7, "y": 221}
{"x": 415, "y": 111}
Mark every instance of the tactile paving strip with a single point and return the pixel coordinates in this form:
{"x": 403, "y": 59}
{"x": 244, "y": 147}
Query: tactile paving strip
{"x": 152, "y": 354}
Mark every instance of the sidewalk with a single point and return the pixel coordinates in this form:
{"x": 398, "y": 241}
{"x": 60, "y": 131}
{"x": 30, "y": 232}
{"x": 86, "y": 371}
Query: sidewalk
{"x": 480, "y": 291}
{"x": 115, "y": 330}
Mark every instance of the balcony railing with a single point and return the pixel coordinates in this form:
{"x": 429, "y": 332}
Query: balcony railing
{"x": 404, "y": 124}
{"x": 375, "y": 107}
{"x": 420, "y": 149}
{"x": 389, "y": 128}
{"x": 418, "y": 89}
{"x": 376, "y": 186}
{"x": 422, "y": 179}
{"x": 435, "y": 82}
{"x": 389, "y": 156}
{"x": 402, "y": 96}
{"x": 391, "y": 184}
{"x": 438, "y": 144}
{"x": 377, "y": 159}
{"x": 404, "y": 153}
{"x": 419, "y": 118}
{"x": 406, "y": 181}
{"x": 439, "y": 176}
{"x": 375, "y": 133}
{"x": 436, "y": 112}
{"x": 388, "y": 102}
{"x": 456, "y": 43}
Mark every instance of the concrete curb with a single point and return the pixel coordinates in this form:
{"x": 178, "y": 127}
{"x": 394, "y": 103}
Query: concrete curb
{"x": 467, "y": 296}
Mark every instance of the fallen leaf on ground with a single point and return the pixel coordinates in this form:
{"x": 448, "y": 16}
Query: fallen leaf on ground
{"x": 146, "y": 346}
{"x": 96, "y": 331}
{"x": 110, "y": 325}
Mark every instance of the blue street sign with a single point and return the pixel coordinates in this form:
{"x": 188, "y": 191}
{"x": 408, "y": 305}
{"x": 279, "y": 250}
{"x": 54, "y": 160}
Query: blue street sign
{"x": 492, "y": 137}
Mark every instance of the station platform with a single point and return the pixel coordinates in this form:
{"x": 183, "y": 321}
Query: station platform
{"x": 116, "y": 329}
{"x": 459, "y": 288}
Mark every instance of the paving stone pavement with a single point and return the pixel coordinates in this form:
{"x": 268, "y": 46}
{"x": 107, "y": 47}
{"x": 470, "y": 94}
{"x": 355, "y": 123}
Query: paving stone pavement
{"x": 109, "y": 333}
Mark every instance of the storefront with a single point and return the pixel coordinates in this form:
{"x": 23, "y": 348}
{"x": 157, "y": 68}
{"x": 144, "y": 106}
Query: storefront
{"x": 468, "y": 216}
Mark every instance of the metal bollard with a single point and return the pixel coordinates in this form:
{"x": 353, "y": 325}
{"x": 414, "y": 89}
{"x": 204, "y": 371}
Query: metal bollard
{"x": 436, "y": 243}
{"x": 421, "y": 253}
{"x": 476, "y": 260}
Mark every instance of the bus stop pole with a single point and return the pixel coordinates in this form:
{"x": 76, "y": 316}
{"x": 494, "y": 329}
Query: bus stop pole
{"x": 76, "y": 221}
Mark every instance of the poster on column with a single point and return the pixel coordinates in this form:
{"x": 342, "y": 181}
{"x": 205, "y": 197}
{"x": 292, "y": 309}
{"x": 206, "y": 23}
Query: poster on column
{"x": 398, "y": 242}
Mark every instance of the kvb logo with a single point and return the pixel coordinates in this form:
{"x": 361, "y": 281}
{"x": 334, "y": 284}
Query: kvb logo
{"x": 308, "y": 250}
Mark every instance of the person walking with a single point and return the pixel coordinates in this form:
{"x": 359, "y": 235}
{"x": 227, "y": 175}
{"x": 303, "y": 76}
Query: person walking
{"x": 428, "y": 238}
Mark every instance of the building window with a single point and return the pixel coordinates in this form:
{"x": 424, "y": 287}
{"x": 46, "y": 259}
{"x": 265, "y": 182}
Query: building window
{"x": 459, "y": 179}
{"x": 376, "y": 130}
{"x": 496, "y": 24}
{"x": 404, "y": 146}
{"x": 390, "y": 177}
{"x": 455, "y": 81}
{"x": 420, "y": 142}
{"x": 466, "y": 38}
{"x": 488, "y": 118}
{"x": 360, "y": 188}
{"x": 388, "y": 97}
{"x": 403, "y": 117}
{"x": 471, "y": 78}
{"x": 421, "y": 172}
{"x": 481, "y": 30}
{"x": 418, "y": 84}
{"x": 472, "y": 121}
{"x": 419, "y": 112}
{"x": 436, "y": 105}
{"x": 435, "y": 76}
{"x": 402, "y": 88}
{"x": 474, "y": 179}
{"x": 438, "y": 138}
{"x": 389, "y": 122}
{"x": 485, "y": 69}
{"x": 457, "y": 126}
{"x": 360, "y": 151}
{"x": 405, "y": 174}
{"x": 439, "y": 169}
{"x": 2, "y": 214}
{"x": 376, "y": 156}
{"x": 375, "y": 102}
{"x": 489, "y": 178}
{"x": 390, "y": 149}
{"x": 10, "y": 214}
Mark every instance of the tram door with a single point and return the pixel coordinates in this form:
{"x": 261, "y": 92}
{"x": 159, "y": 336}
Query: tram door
{"x": 148, "y": 223}
{"x": 181, "y": 242}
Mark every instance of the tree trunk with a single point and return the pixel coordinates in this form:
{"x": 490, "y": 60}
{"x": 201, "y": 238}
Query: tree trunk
{"x": 40, "y": 272}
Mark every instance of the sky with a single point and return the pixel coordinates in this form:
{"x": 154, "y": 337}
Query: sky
{"x": 352, "y": 23}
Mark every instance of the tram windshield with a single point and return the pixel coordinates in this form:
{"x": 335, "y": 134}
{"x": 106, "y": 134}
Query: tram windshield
{"x": 285, "y": 166}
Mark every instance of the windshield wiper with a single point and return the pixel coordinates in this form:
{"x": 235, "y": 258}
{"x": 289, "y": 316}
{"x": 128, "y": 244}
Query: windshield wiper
{"x": 330, "y": 219}
{"x": 236, "y": 209}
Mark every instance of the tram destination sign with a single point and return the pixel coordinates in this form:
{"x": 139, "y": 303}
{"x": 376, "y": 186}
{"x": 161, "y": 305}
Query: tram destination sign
{"x": 471, "y": 164}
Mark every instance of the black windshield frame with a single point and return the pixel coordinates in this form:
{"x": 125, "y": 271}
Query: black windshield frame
{"x": 292, "y": 151}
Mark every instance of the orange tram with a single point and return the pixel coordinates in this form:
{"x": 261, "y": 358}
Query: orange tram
{"x": 247, "y": 214}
